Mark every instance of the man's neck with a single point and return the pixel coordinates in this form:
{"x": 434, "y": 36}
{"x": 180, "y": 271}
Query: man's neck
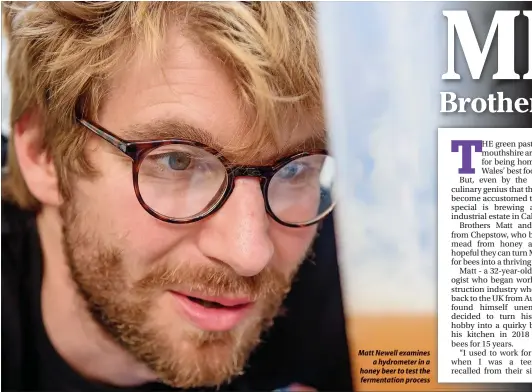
{"x": 77, "y": 338}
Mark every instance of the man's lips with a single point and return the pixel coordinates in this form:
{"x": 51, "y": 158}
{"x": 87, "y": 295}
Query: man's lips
{"x": 225, "y": 301}
{"x": 225, "y": 315}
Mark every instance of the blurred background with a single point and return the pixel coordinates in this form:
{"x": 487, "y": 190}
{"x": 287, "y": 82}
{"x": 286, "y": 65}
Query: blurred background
{"x": 382, "y": 70}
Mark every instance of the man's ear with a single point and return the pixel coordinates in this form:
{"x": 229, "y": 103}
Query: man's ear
{"x": 36, "y": 165}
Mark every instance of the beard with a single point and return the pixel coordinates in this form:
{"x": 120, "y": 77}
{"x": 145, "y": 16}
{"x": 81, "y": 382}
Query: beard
{"x": 138, "y": 314}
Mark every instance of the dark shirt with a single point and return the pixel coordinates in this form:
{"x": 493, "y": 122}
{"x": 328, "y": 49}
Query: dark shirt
{"x": 307, "y": 345}
{"x": 3, "y": 150}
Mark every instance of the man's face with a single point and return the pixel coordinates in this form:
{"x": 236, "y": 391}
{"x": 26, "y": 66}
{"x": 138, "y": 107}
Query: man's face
{"x": 146, "y": 281}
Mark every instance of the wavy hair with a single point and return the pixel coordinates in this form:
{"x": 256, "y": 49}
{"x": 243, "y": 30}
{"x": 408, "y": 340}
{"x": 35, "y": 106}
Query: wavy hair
{"x": 63, "y": 55}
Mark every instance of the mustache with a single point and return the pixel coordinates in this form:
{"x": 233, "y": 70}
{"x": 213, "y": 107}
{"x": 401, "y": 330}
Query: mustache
{"x": 215, "y": 281}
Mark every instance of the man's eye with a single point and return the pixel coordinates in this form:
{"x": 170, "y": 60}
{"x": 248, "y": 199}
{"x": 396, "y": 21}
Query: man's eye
{"x": 291, "y": 170}
{"x": 175, "y": 160}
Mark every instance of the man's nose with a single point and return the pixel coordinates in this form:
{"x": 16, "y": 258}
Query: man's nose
{"x": 237, "y": 234}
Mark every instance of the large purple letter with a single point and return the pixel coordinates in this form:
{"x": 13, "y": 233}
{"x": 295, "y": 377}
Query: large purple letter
{"x": 466, "y": 153}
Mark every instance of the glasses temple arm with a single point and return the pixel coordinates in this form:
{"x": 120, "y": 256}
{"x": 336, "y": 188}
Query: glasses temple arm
{"x": 107, "y": 136}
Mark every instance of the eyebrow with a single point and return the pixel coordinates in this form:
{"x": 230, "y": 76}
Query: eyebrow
{"x": 168, "y": 130}
{"x": 174, "y": 129}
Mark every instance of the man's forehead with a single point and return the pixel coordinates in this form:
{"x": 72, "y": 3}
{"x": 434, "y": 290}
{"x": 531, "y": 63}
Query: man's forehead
{"x": 188, "y": 93}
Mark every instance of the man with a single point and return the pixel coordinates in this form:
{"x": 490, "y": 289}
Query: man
{"x": 167, "y": 181}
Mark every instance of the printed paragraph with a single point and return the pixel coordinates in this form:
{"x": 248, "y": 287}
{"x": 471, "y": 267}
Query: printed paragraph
{"x": 484, "y": 255}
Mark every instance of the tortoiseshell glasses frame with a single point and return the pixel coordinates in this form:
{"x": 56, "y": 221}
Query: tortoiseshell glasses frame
{"x": 138, "y": 150}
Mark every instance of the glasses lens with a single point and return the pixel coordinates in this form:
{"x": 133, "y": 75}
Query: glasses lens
{"x": 181, "y": 181}
{"x": 302, "y": 190}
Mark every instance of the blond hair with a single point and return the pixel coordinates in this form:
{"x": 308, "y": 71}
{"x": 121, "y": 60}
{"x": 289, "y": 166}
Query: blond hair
{"x": 62, "y": 54}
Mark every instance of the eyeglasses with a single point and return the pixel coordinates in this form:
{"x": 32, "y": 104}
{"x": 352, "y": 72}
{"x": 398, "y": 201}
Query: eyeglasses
{"x": 183, "y": 181}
